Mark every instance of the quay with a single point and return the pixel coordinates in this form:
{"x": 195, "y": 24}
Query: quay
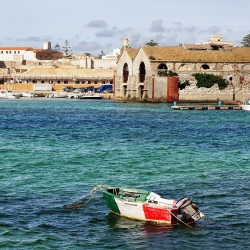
{"x": 207, "y": 107}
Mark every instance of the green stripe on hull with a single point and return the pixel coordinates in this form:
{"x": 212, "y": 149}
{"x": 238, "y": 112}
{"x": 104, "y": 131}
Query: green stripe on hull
{"x": 110, "y": 201}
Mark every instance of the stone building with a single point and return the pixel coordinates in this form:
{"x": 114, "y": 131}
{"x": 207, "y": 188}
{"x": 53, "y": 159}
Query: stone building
{"x": 137, "y": 70}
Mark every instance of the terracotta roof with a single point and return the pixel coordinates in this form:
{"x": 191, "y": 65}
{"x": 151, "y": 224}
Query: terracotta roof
{"x": 16, "y": 48}
{"x": 37, "y": 49}
{"x": 70, "y": 71}
{"x": 132, "y": 52}
{"x": 180, "y": 54}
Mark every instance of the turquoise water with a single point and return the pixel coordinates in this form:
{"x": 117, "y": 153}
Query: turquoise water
{"x": 55, "y": 151}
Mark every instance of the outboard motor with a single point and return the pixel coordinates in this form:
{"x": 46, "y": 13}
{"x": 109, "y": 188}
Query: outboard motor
{"x": 187, "y": 210}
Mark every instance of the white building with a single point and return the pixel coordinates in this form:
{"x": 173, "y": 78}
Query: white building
{"x": 22, "y": 54}
{"x": 17, "y": 54}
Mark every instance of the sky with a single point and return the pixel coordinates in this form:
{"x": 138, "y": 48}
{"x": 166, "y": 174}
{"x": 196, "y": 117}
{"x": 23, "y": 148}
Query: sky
{"x": 92, "y": 26}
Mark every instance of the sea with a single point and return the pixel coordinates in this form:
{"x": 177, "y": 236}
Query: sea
{"x": 53, "y": 152}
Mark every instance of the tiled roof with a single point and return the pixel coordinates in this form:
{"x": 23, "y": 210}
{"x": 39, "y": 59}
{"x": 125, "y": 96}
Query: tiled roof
{"x": 70, "y": 71}
{"x": 180, "y": 54}
{"x": 132, "y": 52}
{"x": 16, "y": 48}
{"x": 37, "y": 49}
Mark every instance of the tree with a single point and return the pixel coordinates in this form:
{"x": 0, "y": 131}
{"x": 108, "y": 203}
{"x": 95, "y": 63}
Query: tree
{"x": 101, "y": 55}
{"x": 151, "y": 43}
{"x": 67, "y": 52}
{"x": 246, "y": 41}
{"x": 57, "y": 48}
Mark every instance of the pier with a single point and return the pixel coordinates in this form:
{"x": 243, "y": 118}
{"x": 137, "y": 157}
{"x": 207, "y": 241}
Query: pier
{"x": 207, "y": 107}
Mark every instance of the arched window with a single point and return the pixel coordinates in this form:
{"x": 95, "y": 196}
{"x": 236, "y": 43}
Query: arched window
{"x": 142, "y": 72}
{"x": 125, "y": 73}
{"x": 205, "y": 67}
{"x": 162, "y": 66}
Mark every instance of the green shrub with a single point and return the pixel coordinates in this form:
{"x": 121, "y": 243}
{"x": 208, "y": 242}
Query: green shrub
{"x": 165, "y": 73}
{"x": 208, "y": 80}
{"x": 184, "y": 84}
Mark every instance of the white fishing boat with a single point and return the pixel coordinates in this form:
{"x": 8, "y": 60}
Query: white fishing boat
{"x": 7, "y": 94}
{"x": 29, "y": 94}
{"x": 246, "y": 105}
{"x": 90, "y": 95}
{"x": 57, "y": 95}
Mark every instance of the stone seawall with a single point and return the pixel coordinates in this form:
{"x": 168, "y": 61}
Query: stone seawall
{"x": 194, "y": 94}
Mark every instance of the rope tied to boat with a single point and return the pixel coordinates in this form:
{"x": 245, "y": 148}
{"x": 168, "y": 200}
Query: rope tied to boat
{"x": 180, "y": 220}
{"x": 187, "y": 224}
{"x": 76, "y": 203}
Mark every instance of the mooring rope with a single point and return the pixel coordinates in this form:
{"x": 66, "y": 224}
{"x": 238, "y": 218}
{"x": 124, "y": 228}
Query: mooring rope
{"x": 180, "y": 220}
{"x": 208, "y": 220}
{"x": 75, "y": 204}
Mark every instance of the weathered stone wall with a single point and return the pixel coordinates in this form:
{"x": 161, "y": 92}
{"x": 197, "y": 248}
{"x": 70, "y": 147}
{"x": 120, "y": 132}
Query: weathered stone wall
{"x": 153, "y": 89}
{"x": 235, "y": 89}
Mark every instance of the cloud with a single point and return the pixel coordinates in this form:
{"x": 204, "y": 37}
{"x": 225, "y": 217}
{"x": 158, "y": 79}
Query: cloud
{"x": 107, "y": 33}
{"x": 87, "y": 46}
{"x": 33, "y": 39}
{"x": 18, "y": 20}
{"x": 178, "y": 24}
{"x": 97, "y": 24}
{"x": 211, "y": 30}
{"x": 134, "y": 39}
{"x": 157, "y": 39}
{"x": 156, "y": 26}
{"x": 178, "y": 27}
{"x": 171, "y": 40}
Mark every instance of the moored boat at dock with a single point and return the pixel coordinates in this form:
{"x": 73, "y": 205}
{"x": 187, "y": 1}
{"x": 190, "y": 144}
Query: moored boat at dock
{"x": 7, "y": 94}
{"x": 28, "y": 94}
{"x": 246, "y": 105}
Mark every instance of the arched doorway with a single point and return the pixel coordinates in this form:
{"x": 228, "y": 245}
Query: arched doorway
{"x": 125, "y": 73}
{"x": 142, "y": 72}
{"x": 124, "y": 90}
{"x": 140, "y": 89}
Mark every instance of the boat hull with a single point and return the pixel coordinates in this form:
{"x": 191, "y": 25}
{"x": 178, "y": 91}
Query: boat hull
{"x": 141, "y": 210}
{"x": 245, "y": 107}
{"x": 91, "y": 97}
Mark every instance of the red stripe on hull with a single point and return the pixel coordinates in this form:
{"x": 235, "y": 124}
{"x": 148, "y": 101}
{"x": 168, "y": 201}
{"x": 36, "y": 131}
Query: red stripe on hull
{"x": 160, "y": 214}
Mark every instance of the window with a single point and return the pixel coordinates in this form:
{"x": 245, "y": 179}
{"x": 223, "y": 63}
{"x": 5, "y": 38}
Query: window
{"x": 205, "y": 67}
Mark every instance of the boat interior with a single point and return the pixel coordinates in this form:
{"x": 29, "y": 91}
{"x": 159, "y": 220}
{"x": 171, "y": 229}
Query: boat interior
{"x": 132, "y": 195}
